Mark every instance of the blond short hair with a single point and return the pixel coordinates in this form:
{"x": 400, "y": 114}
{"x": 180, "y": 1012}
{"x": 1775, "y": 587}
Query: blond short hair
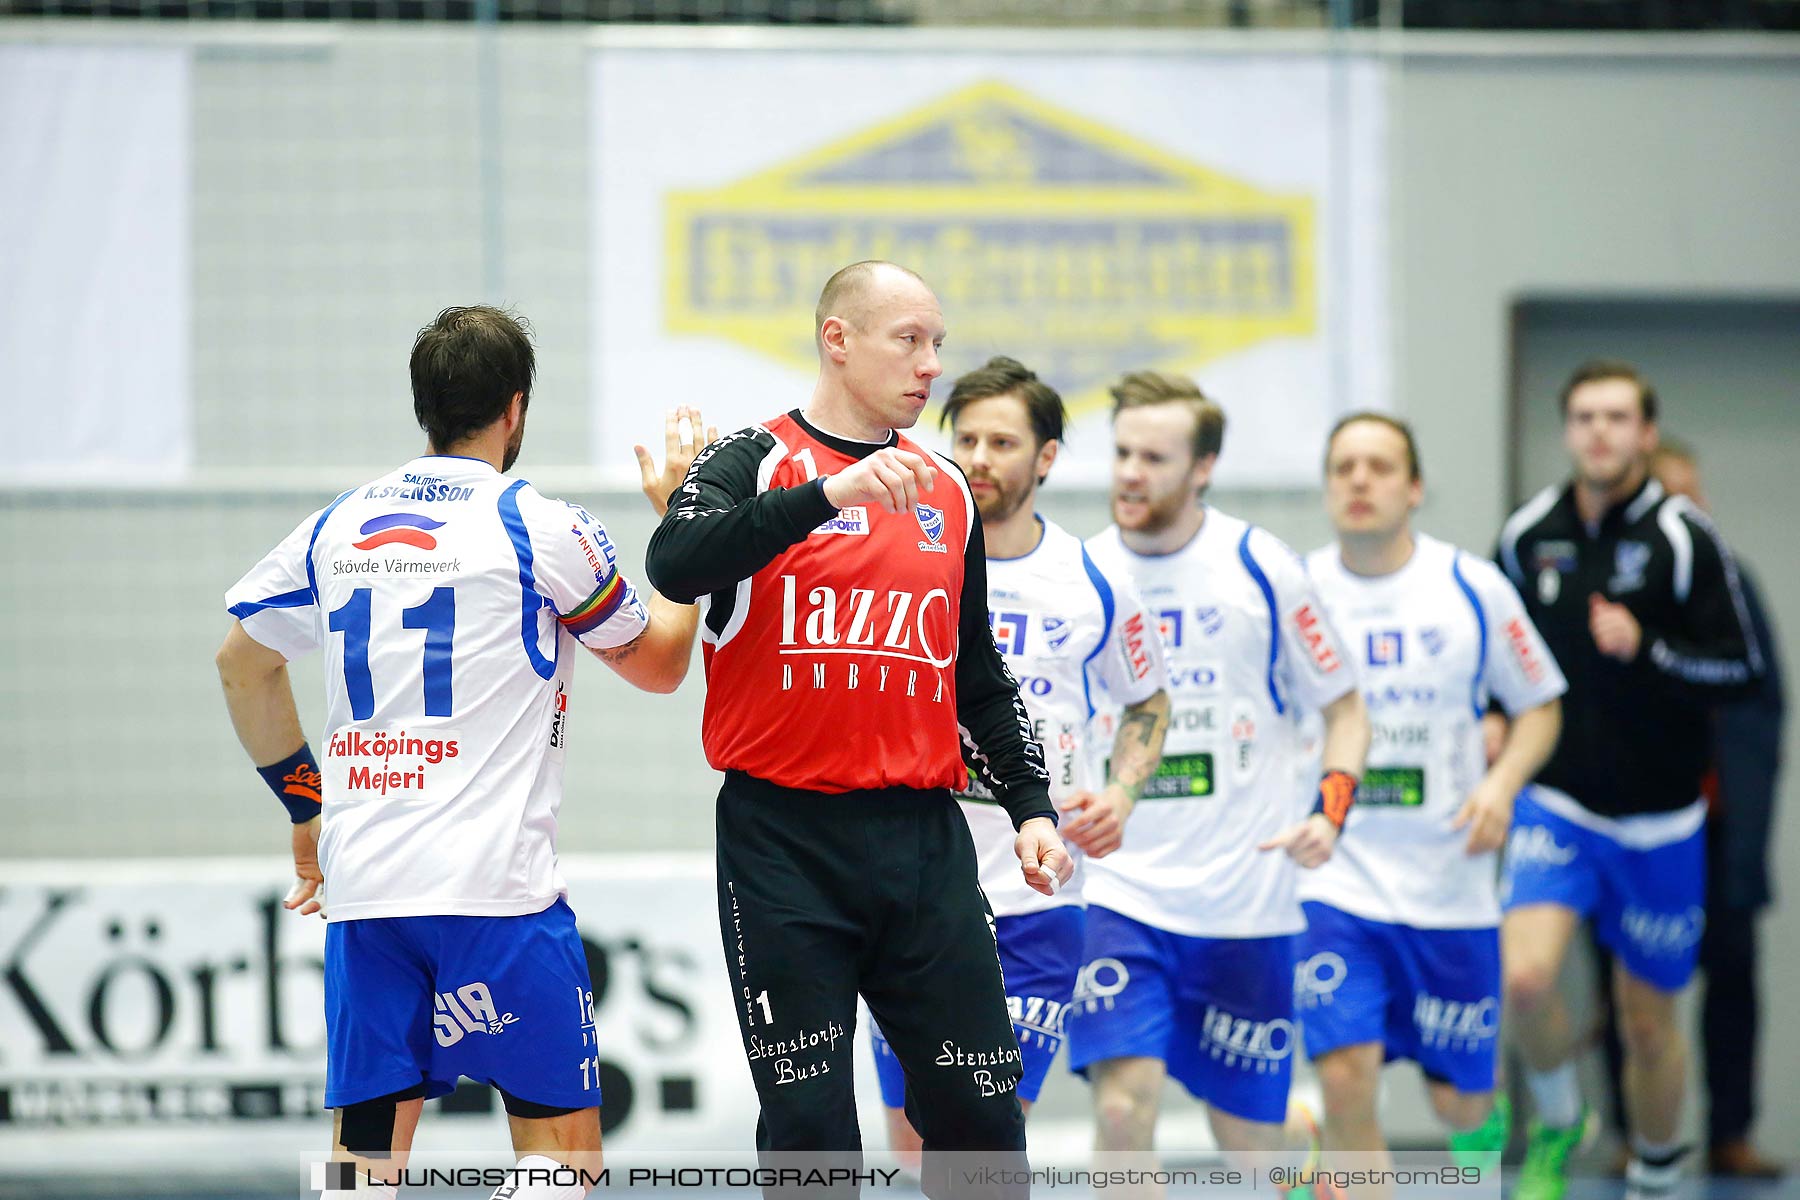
{"x": 1142, "y": 389}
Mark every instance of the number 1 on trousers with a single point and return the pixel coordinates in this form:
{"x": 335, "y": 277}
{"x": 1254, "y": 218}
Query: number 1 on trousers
{"x": 768, "y": 1013}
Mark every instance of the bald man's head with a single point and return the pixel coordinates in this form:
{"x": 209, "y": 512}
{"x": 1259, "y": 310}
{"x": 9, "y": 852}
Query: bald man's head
{"x": 850, "y": 294}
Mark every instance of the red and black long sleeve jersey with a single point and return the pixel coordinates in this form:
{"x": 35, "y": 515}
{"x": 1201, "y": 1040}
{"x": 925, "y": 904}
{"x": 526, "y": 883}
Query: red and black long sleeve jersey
{"x": 845, "y": 649}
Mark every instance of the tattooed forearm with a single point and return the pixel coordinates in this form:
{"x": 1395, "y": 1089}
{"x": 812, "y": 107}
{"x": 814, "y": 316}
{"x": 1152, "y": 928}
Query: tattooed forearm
{"x": 619, "y": 654}
{"x": 1138, "y": 747}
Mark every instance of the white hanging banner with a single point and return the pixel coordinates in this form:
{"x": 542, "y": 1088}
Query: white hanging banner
{"x": 1221, "y": 216}
{"x": 95, "y": 266}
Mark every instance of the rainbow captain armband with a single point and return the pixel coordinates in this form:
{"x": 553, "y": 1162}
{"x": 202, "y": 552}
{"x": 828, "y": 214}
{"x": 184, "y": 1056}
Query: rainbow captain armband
{"x": 1337, "y": 792}
{"x": 598, "y": 608}
{"x": 296, "y": 781}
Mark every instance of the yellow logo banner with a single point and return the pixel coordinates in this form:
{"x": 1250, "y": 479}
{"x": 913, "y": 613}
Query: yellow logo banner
{"x": 1079, "y": 249}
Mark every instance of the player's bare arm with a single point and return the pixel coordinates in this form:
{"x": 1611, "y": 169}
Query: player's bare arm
{"x": 1096, "y": 823}
{"x": 1347, "y": 736}
{"x": 1529, "y": 739}
{"x": 1493, "y": 735}
{"x": 1138, "y": 747}
{"x": 260, "y": 700}
{"x": 259, "y": 697}
{"x": 657, "y": 659}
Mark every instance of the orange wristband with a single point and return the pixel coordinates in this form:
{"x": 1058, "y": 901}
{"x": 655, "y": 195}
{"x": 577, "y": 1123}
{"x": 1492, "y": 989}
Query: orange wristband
{"x": 1337, "y": 792}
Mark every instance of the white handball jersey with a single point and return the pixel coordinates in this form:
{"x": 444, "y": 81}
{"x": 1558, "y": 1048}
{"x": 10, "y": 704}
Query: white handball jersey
{"x": 1250, "y": 648}
{"x": 1065, "y": 627}
{"x": 1433, "y": 642}
{"x": 448, "y": 600}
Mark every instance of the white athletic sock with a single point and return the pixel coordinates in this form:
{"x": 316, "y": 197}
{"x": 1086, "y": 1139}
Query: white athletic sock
{"x": 1655, "y": 1154}
{"x": 542, "y": 1190}
{"x": 1556, "y": 1095}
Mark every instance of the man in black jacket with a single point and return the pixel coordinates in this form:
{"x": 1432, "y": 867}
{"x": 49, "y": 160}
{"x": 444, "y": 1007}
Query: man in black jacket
{"x": 1641, "y": 605}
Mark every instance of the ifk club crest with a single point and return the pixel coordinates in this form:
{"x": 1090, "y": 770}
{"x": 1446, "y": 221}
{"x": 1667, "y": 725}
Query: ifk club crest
{"x": 931, "y": 524}
{"x": 1082, "y": 250}
{"x": 931, "y": 521}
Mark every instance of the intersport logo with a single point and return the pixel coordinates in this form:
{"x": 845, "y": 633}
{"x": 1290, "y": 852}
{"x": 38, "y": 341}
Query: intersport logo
{"x": 853, "y": 521}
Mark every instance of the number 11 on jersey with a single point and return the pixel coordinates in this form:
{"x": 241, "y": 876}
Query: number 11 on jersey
{"x": 436, "y": 616}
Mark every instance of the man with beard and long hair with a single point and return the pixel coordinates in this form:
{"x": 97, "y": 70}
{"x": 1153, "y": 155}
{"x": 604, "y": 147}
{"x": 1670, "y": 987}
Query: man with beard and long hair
{"x": 448, "y": 600}
{"x": 1067, "y": 631}
{"x": 1639, "y": 600}
{"x": 1194, "y": 922}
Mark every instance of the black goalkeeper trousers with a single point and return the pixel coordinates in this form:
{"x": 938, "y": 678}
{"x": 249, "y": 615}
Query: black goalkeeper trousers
{"x": 824, "y": 897}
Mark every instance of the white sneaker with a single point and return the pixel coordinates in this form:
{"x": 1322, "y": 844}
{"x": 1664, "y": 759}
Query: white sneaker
{"x": 1645, "y": 1182}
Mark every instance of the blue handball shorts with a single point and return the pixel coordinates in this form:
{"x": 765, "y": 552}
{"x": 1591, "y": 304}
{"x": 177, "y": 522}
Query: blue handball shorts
{"x": 1431, "y": 995}
{"x": 1219, "y": 1012}
{"x": 1040, "y": 954}
{"x": 503, "y": 1000}
{"x": 1648, "y": 906}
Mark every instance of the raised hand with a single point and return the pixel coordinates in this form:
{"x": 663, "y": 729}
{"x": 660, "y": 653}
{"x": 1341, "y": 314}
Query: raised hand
{"x": 681, "y": 443}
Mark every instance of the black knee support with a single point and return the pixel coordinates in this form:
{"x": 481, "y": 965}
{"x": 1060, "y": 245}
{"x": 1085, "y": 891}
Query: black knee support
{"x": 530, "y": 1110}
{"x": 366, "y": 1128}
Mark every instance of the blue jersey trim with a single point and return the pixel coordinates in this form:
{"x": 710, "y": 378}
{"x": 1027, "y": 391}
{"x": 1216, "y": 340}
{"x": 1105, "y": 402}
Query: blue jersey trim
{"x": 531, "y": 601}
{"x": 298, "y": 598}
{"x": 1043, "y": 531}
{"x": 312, "y": 575}
{"x": 1268, "y": 591}
{"x": 1478, "y": 689}
{"x": 1107, "y": 608}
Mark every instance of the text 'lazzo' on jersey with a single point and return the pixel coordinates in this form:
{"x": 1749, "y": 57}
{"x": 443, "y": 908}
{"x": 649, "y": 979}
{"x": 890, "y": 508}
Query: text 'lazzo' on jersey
{"x": 836, "y": 630}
